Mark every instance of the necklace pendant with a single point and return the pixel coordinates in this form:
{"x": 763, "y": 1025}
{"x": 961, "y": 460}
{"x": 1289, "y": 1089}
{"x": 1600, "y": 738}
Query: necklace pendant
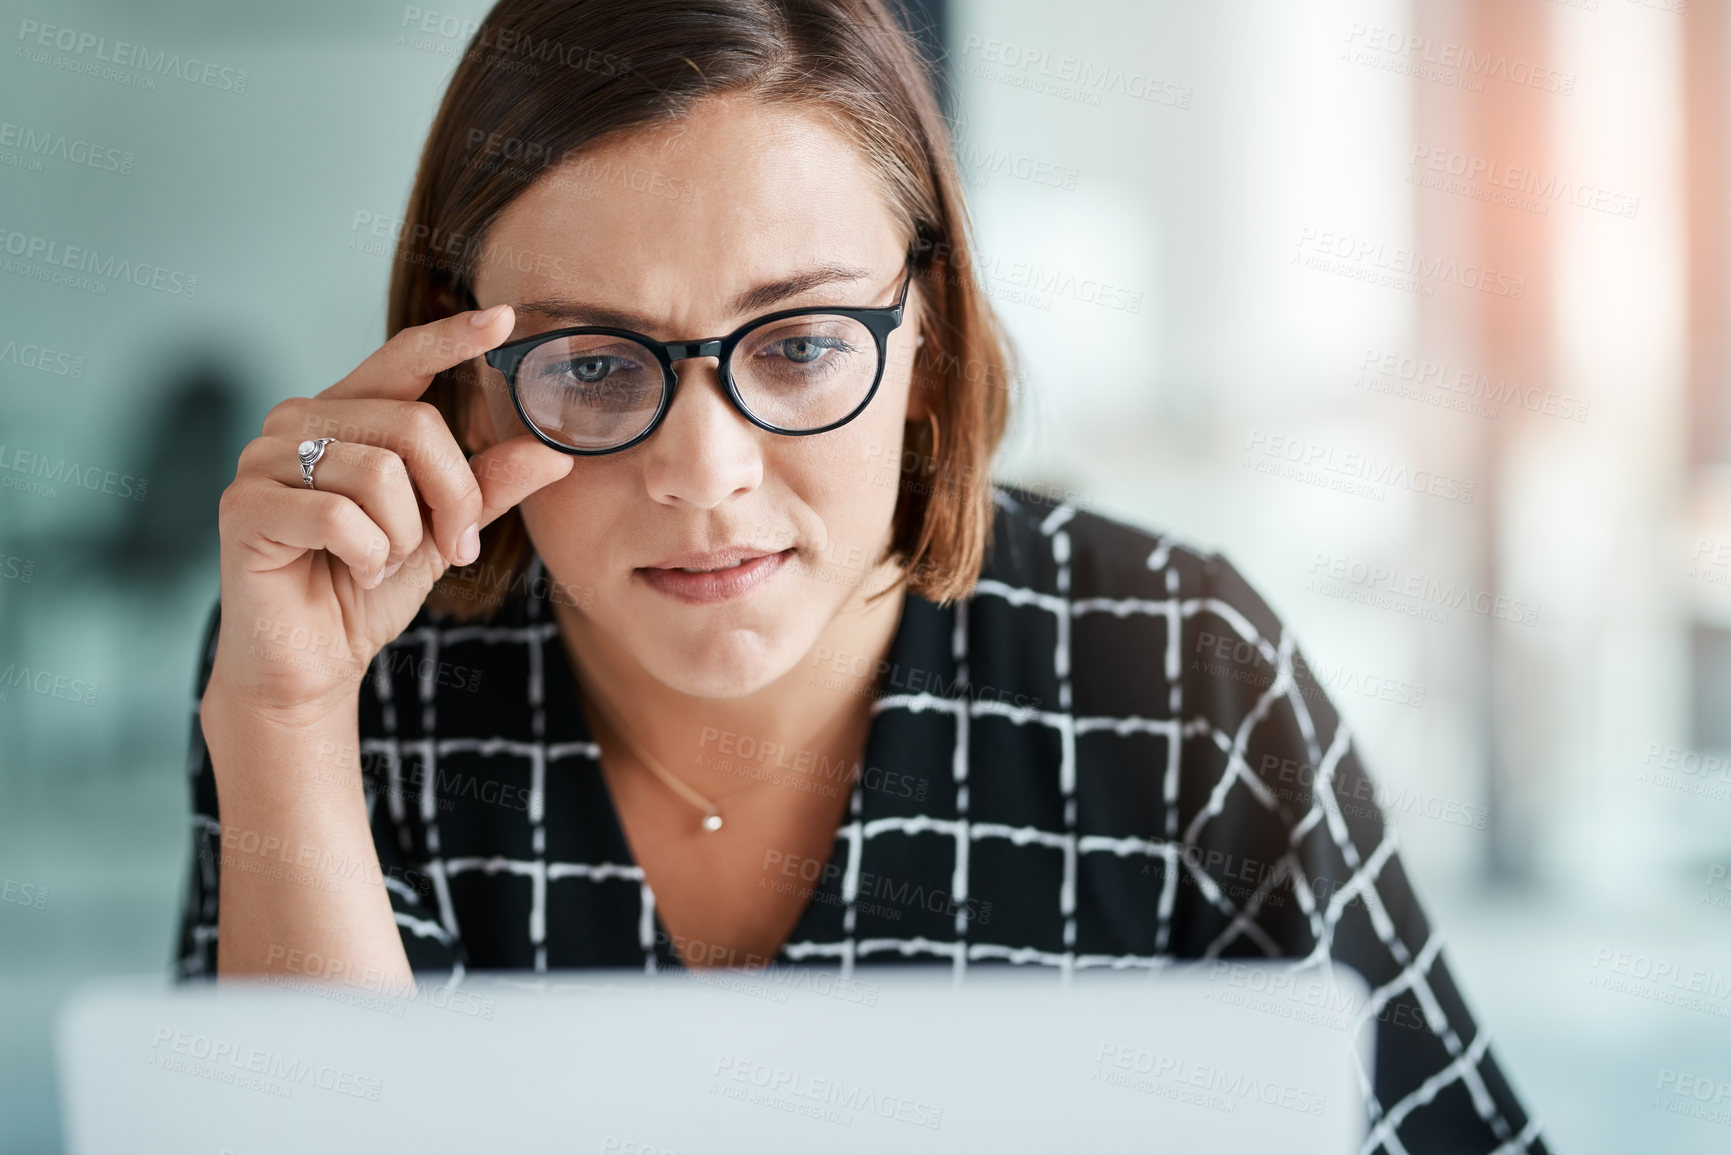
{"x": 712, "y": 821}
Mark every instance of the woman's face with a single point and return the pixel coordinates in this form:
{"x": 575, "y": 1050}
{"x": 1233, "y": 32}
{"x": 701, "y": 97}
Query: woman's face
{"x": 675, "y": 227}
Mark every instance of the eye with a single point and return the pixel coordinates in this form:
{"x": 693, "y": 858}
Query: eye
{"x": 804, "y": 350}
{"x": 590, "y": 370}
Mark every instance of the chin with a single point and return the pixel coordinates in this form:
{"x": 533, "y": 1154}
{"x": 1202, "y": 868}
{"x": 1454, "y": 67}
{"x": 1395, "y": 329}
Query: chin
{"x": 728, "y": 663}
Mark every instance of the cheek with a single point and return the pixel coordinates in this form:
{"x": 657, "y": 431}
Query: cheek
{"x": 855, "y": 484}
{"x": 854, "y": 468}
{"x": 874, "y": 456}
{"x": 571, "y": 523}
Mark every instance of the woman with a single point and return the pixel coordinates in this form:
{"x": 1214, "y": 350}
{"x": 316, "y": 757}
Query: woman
{"x": 743, "y": 659}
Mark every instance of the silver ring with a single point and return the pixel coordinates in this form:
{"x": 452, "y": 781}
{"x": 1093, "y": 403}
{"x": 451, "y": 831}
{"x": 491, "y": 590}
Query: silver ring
{"x": 310, "y": 452}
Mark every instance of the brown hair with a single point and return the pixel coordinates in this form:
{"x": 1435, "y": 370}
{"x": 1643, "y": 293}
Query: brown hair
{"x": 541, "y": 79}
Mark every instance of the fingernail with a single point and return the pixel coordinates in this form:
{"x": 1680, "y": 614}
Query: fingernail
{"x": 390, "y": 571}
{"x": 469, "y": 545}
{"x": 483, "y": 319}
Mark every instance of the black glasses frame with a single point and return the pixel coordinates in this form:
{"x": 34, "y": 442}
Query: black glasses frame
{"x": 880, "y": 321}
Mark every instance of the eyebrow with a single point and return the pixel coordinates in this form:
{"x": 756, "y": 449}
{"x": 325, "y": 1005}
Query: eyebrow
{"x": 757, "y": 299}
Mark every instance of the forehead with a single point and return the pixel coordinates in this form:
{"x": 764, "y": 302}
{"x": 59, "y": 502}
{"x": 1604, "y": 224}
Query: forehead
{"x": 734, "y": 193}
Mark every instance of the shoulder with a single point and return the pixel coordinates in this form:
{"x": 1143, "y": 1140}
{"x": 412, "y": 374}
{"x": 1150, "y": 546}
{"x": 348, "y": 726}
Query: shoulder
{"x": 1106, "y": 619}
{"x": 1103, "y": 564}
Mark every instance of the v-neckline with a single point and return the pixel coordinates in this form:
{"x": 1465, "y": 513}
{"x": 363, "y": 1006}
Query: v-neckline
{"x": 845, "y": 844}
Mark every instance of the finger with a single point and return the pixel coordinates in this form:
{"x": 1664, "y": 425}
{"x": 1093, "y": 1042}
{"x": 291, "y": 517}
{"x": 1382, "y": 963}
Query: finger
{"x": 278, "y": 524}
{"x": 375, "y": 479}
{"x": 413, "y": 430}
{"x": 404, "y": 366}
{"x": 513, "y": 469}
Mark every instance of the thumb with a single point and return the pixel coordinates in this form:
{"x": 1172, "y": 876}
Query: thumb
{"x": 512, "y": 470}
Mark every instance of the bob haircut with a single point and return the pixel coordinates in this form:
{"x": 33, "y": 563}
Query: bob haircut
{"x": 542, "y": 79}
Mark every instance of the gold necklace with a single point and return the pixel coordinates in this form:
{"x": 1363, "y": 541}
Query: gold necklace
{"x": 711, "y": 815}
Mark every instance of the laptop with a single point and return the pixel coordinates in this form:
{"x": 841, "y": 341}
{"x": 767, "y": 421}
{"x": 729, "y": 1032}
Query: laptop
{"x": 1225, "y": 1056}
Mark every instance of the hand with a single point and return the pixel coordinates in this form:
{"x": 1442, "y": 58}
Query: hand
{"x": 316, "y": 581}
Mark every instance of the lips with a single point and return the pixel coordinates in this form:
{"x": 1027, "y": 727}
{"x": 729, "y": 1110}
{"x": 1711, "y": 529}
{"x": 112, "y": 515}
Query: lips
{"x": 716, "y": 576}
{"x": 713, "y": 560}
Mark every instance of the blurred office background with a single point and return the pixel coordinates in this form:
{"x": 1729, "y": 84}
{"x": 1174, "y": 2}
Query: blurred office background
{"x": 1391, "y": 303}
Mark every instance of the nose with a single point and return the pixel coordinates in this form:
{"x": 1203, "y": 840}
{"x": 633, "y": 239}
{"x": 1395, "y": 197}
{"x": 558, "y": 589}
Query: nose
{"x": 705, "y": 451}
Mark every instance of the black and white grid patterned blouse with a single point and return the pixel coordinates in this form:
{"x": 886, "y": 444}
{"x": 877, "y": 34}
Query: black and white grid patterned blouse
{"x": 1110, "y": 755}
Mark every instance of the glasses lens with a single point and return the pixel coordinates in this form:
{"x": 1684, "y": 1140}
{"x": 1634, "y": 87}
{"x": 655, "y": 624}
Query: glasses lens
{"x": 590, "y": 391}
{"x": 802, "y": 373}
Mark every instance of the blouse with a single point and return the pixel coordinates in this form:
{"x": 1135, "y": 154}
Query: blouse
{"x": 1110, "y": 755}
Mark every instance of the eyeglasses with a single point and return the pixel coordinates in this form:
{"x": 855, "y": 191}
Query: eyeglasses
{"x": 592, "y": 390}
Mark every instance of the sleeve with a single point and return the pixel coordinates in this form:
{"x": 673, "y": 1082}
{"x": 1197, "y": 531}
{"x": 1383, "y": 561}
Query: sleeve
{"x": 1285, "y": 788}
{"x": 429, "y": 945}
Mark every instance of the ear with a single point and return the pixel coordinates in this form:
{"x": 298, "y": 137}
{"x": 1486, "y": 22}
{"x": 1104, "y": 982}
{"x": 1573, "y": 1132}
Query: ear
{"x": 447, "y": 301}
